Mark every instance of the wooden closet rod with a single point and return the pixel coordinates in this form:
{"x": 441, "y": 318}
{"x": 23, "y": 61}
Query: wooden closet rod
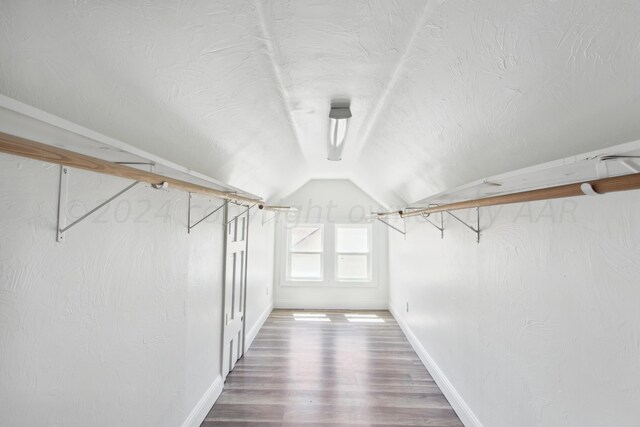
{"x": 275, "y": 208}
{"x": 34, "y": 150}
{"x": 600, "y": 186}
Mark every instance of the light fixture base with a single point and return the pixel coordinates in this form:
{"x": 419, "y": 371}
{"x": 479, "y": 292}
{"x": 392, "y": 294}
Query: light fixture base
{"x": 340, "y": 113}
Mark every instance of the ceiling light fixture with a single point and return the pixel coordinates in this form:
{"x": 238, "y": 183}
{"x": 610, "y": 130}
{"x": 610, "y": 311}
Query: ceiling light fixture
{"x": 339, "y": 118}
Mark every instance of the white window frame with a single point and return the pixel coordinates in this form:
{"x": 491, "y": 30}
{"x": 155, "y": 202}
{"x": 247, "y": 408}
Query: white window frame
{"x": 290, "y": 252}
{"x": 369, "y": 253}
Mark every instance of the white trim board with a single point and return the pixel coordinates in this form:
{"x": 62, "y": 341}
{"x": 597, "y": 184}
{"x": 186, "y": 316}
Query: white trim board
{"x": 466, "y": 415}
{"x": 38, "y": 121}
{"x": 590, "y": 156}
{"x": 251, "y": 335}
{"x": 329, "y": 305}
{"x": 202, "y": 408}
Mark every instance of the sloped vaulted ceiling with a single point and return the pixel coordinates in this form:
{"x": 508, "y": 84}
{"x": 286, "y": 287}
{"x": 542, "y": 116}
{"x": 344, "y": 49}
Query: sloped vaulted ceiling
{"x": 442, "y": 93}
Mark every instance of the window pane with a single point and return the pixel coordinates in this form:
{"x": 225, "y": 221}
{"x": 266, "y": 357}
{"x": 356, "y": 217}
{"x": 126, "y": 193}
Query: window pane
{"x": 352, "y": 239}
{"x": 306, "y": 239}
{"x": 354, "y": 267}
{"x": 306, "y": 266}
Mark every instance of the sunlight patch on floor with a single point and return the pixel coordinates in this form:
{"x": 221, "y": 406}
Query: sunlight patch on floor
{"x": 311, "y": 317}
{"x": 364, "y": 318}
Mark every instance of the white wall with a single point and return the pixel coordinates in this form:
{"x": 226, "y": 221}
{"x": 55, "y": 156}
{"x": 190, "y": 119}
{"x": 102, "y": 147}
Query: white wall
{"x": 331, "y": 202}
{"x": 118, "y": 325}
{"x": 539, "y": 324}
{"x": 260, "y": 272}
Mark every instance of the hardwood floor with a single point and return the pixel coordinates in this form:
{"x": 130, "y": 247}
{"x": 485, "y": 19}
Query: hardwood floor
{"x": 334, "y": 368}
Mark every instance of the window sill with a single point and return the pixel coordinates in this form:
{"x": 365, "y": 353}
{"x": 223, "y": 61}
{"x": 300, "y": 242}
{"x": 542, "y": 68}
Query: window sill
{"x": 324, "y": 284}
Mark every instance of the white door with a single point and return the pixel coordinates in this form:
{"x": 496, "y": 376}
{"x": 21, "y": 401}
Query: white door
{"x": 235, "y": 280}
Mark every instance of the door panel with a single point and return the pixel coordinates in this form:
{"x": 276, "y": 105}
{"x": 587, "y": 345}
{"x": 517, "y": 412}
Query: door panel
{"x": 235, "y": 281}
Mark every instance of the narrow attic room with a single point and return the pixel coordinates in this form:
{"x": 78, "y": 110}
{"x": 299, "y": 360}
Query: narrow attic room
{"x": 320, "y": 213}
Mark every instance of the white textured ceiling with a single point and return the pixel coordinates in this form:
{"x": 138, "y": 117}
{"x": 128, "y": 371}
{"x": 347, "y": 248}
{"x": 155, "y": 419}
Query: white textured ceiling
{"x": 442, "y": 93}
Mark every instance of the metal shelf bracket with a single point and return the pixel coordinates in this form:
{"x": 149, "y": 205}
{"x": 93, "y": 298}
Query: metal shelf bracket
{"x": 441, "y": 227}
{"x": 62, "y": 203}
{"x": 476, "y": 229}
{"x": 627, "y": 161}
{"x": 189, "y": 225}
{"x": 241, "y": 213}
{"x": 393, "y": 227}
{"x": 274, "y": 217}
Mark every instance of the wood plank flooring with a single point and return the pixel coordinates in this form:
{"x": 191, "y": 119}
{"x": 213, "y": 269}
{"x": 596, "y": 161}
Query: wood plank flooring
{"x": 331, "y": 368}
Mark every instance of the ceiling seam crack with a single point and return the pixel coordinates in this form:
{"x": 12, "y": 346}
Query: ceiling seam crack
{"x": 371, "y": 123}
{"x": 277, "y": 73}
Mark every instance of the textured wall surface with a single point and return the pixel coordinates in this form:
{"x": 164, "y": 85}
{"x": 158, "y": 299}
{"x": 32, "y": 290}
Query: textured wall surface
{"x": 120, "y": 324}
{"x": 539, "y": 324}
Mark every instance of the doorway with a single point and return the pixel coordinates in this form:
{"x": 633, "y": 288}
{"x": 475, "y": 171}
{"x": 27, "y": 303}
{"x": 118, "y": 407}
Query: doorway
{"x": 235, "y": 285}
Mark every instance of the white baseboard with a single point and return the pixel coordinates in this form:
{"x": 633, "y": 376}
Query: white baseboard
{"x": 458, "y": 404}
{"x": 302, "y": 304}
{"x": 251, "y": 335}
{"x": 202, "y": 408}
